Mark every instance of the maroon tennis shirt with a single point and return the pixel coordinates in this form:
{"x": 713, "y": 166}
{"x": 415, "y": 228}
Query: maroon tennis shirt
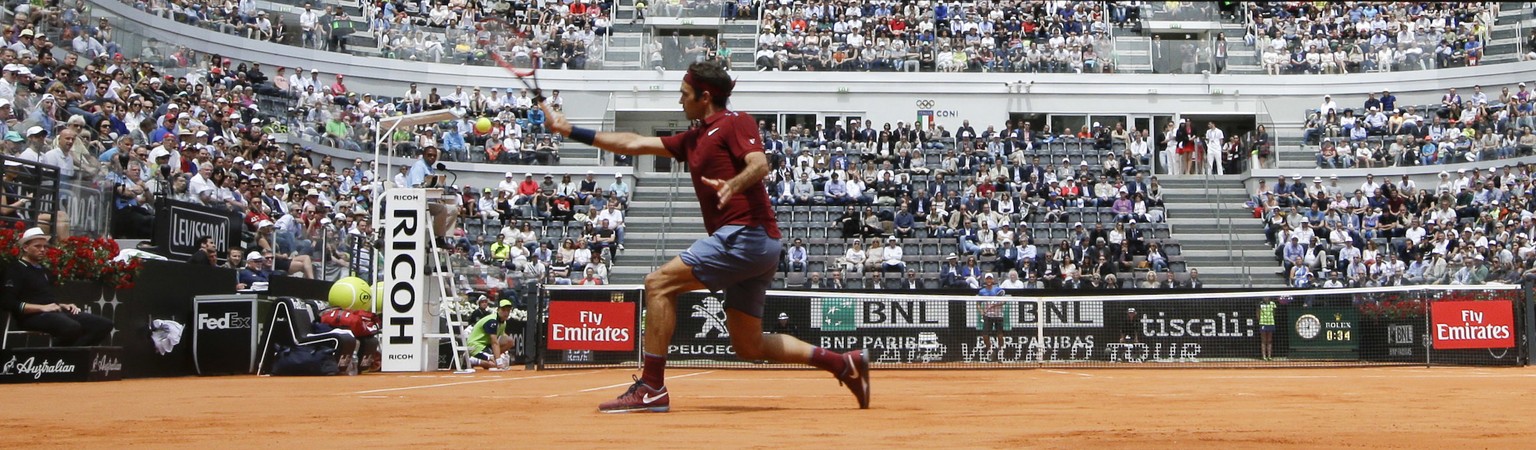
{"x": 718, "y": 149}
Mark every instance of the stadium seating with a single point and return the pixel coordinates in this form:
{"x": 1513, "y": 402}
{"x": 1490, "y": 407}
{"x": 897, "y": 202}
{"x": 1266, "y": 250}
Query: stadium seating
{"x": 908, "y": 35}
{"x": 270, "y": 103}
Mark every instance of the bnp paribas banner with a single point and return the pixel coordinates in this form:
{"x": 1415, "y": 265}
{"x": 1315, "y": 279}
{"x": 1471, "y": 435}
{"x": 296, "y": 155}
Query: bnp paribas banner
{"x": 899, "y": 329}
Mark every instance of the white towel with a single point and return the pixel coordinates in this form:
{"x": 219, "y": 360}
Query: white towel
{"x": 166, "y": 334}
{"x": 129, "y": 254}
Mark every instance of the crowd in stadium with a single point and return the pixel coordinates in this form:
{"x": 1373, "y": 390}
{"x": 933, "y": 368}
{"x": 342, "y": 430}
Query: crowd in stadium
{"x": 1474, "y": 228}
{"x": 566, "y": 35}
{"x": 338, "y": 117}
{"x": 200, "y": 129}
{"x": 946, "y": 37}
{"x": 144, "y": 130}
{"x": 1356, "y": 37}
{"x": 1344, "y": 37}
{"x": 1384, "y": 133}
{"x": 984, "y": 198}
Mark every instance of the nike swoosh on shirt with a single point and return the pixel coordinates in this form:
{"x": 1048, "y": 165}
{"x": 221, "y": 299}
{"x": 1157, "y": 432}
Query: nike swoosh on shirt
{"x": 713, "y": 130}
{"x": 647, "y": 398}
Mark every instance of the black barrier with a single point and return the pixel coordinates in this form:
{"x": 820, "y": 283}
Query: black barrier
{"x": 163, "y": 290}
{"x": 61, "y": 364}
{"x": 178, "y": 224}
{"x": 931, "y": 331}
{"x": 568, "y": 324}
{"x": 227, "y": 331}
{"x": 298, "y": 287}
{"x": 1316, "y": 328}
{"x": 39, "y": 182}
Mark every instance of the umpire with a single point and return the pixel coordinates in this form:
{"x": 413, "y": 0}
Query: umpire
{"x": 27, "y": 294}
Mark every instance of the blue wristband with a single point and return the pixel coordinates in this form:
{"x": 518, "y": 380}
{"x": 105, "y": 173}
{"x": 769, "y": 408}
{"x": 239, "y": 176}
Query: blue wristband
{"x": 583, "y": 135}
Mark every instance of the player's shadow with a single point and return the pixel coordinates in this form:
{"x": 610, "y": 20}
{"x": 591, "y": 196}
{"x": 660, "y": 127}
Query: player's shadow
{"x": 737, "y": 408}
{"x": 742, "y": 409}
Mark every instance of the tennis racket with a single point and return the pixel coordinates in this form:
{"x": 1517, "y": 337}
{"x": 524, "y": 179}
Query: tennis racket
{"x": 509, "y": 47}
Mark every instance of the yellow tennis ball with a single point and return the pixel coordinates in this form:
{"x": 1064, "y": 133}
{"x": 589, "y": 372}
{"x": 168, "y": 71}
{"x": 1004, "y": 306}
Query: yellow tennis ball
{"x": 483, "y": 126}
{"x": 351, "y": 293}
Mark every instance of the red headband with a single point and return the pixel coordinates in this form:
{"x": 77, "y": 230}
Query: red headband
{"x": 701, "y": 86}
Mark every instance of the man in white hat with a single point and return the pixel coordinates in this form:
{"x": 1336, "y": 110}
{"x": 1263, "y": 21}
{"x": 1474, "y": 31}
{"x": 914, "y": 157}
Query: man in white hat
{"x": 586, "y": 187}
{"x": 619, "y": 188}
{"x": 507, "y": 184}
{"x": 892, "y": 257}
{"x": 949, "y": 272}
{"x": 26, "y": 292}
{"x": 36, "y": 144}
{"x": 8, "y": 83}
{"x": 256, "y": 270}
{"x": 784, "y": 326}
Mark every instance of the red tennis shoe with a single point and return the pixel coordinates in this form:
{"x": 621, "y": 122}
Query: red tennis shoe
{"x": 856, "y": 375}
{"x": 639, "y": 398}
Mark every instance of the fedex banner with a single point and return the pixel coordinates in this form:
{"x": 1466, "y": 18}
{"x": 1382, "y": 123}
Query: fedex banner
{"x": 1484, "y": 324}
{"x": 604, "y": 326}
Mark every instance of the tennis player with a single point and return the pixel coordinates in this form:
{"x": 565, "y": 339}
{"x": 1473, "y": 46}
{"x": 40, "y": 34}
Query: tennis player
{"x": 724, "y": 155}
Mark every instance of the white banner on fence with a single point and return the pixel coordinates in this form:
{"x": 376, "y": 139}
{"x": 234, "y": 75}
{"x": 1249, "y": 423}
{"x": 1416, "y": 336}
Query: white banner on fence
{"x": 405, "y": 287}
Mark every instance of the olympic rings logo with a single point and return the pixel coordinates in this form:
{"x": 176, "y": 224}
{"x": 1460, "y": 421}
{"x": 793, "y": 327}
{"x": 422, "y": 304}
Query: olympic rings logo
{"x": 925, "y": 104}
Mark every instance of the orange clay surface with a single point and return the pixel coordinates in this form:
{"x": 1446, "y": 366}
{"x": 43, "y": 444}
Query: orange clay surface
{"x": 1226, "y": 408}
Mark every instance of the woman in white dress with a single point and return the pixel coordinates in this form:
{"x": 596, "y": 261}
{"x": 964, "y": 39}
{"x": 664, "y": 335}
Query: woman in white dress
{"x": 853, "y": 259}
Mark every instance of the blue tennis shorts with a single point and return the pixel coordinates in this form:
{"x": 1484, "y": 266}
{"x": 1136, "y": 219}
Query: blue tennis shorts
{"x": 740, "y": 261}
{"x": 1267, "y": 328}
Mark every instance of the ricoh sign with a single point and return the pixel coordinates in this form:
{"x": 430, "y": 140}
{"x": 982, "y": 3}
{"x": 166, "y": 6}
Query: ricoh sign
{"x": 404, "y": 277}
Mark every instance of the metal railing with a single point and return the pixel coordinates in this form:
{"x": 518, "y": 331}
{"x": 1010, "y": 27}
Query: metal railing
{"x": 1181, "y": 11}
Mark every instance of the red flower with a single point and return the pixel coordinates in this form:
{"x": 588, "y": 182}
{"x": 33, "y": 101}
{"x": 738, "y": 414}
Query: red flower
{"x": 77, "y": 258}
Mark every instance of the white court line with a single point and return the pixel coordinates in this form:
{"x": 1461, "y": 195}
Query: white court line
{"x": 770, "y": 379}
{"x": 1070, "y": 373}
{"x": 1260, "y": 377}
{"x": 611, "y": 386}
{"x": 599, "y": 388}
{"x": 492, "y": 380}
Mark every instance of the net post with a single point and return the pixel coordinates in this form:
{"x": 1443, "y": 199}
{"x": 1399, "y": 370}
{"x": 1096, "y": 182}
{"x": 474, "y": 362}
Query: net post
{"x": 533, "y": 353}
{"x": 1428, "y": 343}
{"x": 1528, "y": 313}
{"x": 1039, "y": 330}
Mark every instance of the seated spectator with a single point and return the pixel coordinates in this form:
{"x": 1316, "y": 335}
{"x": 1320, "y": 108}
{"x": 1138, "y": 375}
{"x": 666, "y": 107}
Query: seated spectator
{"x": 892, "y": 256}
{"x": 796, "y": 257}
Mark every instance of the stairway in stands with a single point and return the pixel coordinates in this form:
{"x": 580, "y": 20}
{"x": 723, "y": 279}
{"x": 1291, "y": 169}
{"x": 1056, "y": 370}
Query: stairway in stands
{"x": 656, "y": 228}
{"x": 1217, "y": 234}
{"x": 1504, "y": 39}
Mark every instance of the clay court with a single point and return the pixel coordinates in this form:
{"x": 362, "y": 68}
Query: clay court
{"x": 1230, "y": 408}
